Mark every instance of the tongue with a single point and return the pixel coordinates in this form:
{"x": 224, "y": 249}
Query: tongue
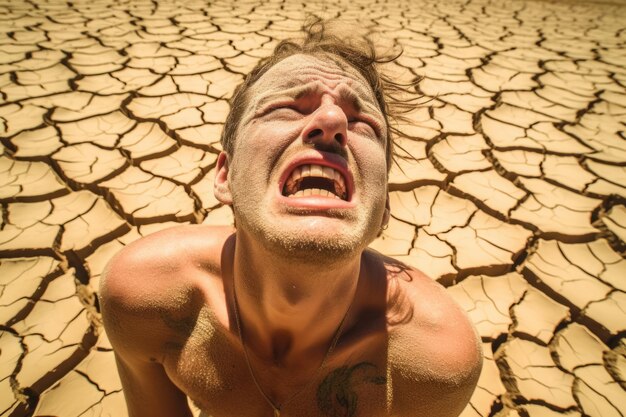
{"x": 317, "y": 182}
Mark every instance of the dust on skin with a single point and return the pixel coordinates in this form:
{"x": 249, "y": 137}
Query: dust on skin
{"x": 268, "y": 131}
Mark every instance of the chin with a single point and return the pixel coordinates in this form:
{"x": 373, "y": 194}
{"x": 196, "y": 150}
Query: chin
{"x": 315, "y": 249}
{"x": 309, "y": 237}
{"x": 313, "y": 245}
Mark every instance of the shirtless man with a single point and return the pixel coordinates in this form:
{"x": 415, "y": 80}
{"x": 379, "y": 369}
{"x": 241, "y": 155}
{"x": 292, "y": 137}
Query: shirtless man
{"x": 290, "y": 314}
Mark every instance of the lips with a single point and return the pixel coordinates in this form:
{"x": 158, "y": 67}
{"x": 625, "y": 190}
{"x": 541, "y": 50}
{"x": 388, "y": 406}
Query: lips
{"x": 317, "y": 178}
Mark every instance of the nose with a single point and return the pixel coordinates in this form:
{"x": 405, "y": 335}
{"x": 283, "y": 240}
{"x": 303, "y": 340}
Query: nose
{"x": 327, "y": 127}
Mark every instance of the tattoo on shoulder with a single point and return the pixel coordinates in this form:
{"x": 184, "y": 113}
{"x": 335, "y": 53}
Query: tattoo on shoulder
{"x": 337, "y": 395}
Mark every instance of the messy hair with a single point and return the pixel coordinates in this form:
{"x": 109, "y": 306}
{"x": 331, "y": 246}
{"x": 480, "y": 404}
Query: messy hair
{"x": 327, "y": 40}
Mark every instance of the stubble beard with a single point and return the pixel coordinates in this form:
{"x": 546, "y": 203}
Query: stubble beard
{"x": 283, "y": 235}
{"x": 309, "y": 248}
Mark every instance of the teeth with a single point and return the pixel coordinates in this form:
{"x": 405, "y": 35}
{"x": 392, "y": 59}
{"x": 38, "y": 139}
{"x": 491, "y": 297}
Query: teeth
{"x": 317, "y": 171}
{"x": 313, "y": 170}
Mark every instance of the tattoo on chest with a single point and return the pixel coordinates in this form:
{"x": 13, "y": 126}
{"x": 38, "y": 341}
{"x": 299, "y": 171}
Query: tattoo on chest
{"x": 337, "y": 394}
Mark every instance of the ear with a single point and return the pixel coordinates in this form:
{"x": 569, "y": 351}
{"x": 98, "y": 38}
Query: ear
{"x": 221, "y": 186}
{"x": 386, "y": 216}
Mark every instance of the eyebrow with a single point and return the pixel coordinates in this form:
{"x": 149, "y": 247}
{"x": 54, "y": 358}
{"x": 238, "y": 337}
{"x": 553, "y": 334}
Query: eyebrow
{"x": 350, "y": 95}
{"x": 293, "y": 89}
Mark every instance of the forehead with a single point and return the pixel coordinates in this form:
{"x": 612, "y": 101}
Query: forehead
{"x": 329, "y": 72}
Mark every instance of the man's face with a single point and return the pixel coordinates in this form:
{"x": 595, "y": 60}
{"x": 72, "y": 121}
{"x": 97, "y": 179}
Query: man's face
{"x": 308, "y": 174}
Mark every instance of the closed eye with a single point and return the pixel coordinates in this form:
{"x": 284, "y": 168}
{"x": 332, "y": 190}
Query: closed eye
{"x": 280, "y": 110}
{"x": 363, "y": 127}
{"x": 285, "y": 107}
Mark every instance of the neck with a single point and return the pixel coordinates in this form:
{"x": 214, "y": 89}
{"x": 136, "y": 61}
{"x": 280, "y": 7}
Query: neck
{"x": 291, "y": 309}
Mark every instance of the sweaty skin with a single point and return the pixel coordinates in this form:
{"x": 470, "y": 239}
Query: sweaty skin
{"x": 299, "y": 264}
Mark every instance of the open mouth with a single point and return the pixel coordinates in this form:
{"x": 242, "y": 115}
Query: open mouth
{"x": 315, "y": 180}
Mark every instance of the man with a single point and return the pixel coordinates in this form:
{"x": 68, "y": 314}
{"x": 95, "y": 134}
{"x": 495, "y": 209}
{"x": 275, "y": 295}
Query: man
{"x": 290, "y": 314}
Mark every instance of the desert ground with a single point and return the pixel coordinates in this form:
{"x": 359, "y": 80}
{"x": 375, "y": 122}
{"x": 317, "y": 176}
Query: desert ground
{"x": 510, "y": 191}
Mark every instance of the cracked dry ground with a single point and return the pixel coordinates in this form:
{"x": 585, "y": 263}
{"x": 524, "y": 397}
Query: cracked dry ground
{"x": 511, "y": 194}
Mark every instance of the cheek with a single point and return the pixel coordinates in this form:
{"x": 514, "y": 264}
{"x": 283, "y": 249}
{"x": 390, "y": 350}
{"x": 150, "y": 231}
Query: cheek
{"x": 372, "y": 161}
{"x": 268, "y": 137}
{"x": 257, "y": 149}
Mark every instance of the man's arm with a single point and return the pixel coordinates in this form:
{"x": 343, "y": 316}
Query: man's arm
{"x": 131, "y": 294}
{"x": 149, "y": 391}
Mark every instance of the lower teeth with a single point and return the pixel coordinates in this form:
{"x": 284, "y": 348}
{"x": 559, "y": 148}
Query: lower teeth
{"x": 314, "y": 192}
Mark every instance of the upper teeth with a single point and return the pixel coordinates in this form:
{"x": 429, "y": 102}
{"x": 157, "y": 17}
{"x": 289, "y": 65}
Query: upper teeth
{"x": 313, "y": 170}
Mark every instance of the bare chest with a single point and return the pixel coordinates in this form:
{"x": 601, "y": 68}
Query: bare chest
{"x": 211, "y": 369}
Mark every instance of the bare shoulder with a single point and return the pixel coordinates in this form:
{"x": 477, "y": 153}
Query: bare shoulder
{"x": 431, "y": 320}
{"x": 154, "y": 263}
{"x": 158, "y": 276}
{"x": 434, "y": 349}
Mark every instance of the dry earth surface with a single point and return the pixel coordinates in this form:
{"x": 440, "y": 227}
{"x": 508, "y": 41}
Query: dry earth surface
{"x": 511, "y": 194}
